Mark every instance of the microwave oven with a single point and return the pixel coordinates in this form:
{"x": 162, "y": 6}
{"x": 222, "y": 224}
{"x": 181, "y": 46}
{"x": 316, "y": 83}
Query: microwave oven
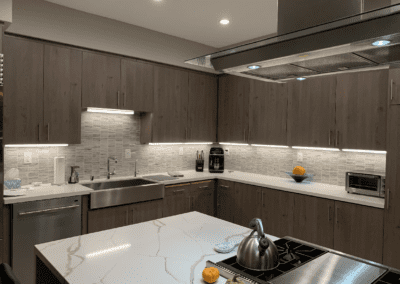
{"x": 365, "y": 183}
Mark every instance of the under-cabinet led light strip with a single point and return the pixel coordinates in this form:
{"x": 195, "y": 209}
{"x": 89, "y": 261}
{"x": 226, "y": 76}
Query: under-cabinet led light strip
{"x": 273, "y": 146}
{"x": 316, "y": 148}
{"x": 236, "y": 144}
{"x": 105, "y": 251}
{"x": 109, "y": 110}
{"x": 364, "y": 151}
{"x": 191, "y": 143}
{"x": 36, "y": 145}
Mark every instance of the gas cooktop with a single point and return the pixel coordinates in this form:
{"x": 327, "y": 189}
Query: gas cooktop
{"x": 300, "y": 262}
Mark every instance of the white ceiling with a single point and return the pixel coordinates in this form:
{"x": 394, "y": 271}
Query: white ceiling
{"x": 196, "y": 20}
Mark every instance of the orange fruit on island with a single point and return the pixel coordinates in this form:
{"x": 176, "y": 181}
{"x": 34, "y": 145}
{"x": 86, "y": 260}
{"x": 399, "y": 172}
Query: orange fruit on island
{"x": 210, "y": 274}
{"x": 298, "y": 170}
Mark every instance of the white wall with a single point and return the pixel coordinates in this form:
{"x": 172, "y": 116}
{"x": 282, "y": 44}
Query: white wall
{"x": 6, "y": 11}
{"x": 41, "y": 19}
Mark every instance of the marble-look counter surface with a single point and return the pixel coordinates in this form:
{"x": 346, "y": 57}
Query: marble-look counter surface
{"x": 168, "y": 250}
{"x": 48, "y": 192}
{"x": 287, "y": 184}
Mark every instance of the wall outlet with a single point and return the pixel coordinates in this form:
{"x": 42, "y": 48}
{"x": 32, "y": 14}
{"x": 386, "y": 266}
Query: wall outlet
{"x": 27, "y": 157}
{"x": 128, "y": 153}
{"x": 299, "y": 157}
{"x": 227, "y": 151}
{"x": 180, "y": 151}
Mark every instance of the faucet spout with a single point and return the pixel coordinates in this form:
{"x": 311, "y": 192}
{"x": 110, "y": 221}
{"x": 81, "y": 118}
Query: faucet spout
{"x": 109, "y": 174}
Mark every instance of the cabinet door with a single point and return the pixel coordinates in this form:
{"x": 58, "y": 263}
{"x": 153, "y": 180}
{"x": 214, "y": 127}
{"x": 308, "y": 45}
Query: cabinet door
{"x": 170, "y": 105}
{"x": 226, "y": 200}
{"x": 101, "y": 81}
{"x": 62, "y": 94}
{"x": 311, "y": 112}
{"x": 137, "y": 85}
{"x": 394, "y": 86}
{"x": 203, "y": 197}
{"x": 267, "y": 113}
{"x": 359, "y": 230}
{"x": 233, "y": 109}
{"x": 202, "y": 113}
{"x": 176, "y": 200}
{"x": 145, "y": 211}
{"x": 391, "y": 247}
{"x": 107, "y": 218}
{"x": 23, "y": 91}
{"x": 361, "y": 103}
{"x": 247, "y": 203}
{"x": 277, "y": 212}
{"x": 313, "y": 220}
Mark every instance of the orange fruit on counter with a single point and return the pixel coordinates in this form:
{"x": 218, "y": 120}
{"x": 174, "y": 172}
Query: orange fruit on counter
{"x": 210, "y": 274}
{"x": 298, "y": 170}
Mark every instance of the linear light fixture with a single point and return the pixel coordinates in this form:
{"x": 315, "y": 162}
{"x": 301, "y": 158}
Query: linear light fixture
{"x": 157, "y": 144}
{"x": 36, "y": 145}
{"x": 238, "y": 144}
{"x": 191, "y": 143}
{"x": 364, "y": 151}
{"x": 273, "y": 146}
{"x": 198, "y": 143}
{"x": 105, "y": 251}
{"x": 316, "y": 148}
{"x": 109, "y": 110}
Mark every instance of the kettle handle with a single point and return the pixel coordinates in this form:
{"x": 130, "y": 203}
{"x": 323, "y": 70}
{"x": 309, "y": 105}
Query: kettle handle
{"x": 256, "y": 224}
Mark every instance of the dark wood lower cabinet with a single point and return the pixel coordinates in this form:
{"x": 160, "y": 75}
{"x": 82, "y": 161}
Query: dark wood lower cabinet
{"x": 277, "y": 212}
{"x": 176, "y": 199}
{"x": 202, "y": 197}
{"x": 313, "y": 220}
{"x": 359, "y": 230}
{"x": 247, "y": 203}
{"x": 107, "y": 218}
{"x": 145, "y": 211}
{"x": 226, "y": 200}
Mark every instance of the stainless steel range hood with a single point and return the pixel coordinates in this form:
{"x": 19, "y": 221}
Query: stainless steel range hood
{"x": 344, "y": 44}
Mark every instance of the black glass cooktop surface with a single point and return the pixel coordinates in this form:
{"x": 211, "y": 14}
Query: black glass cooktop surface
{"x": 291, "y": 255}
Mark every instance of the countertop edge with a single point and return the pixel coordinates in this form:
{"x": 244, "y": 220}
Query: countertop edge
{"x": 25, "y": 198}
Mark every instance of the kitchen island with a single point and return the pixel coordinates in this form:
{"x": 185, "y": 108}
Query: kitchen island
{"x": 167, "y": 250}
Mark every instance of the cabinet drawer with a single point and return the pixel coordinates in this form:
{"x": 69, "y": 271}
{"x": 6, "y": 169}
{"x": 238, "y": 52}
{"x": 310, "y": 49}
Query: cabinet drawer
{"x": 177, "y": 189}
{"x": 203, "y": 185}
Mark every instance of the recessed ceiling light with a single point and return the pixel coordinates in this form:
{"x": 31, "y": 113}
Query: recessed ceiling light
{"x": 253, "y": 67}
{"x": 224, "y": 22}
{"x": 381, "y": 42}
{"x": 301, "y": 78}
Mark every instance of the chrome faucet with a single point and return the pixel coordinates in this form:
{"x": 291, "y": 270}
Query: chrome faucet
{"x": 135, "y": 168}
{"x": 108, "y": 166}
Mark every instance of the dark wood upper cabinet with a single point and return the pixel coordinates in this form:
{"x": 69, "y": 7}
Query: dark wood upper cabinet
{"x": 277, "y": 212}
{"x": 391, "y": 241}
{"x": 202, "y": 112}
{"x": 62, "y": 95}
{"x": 314, "y": 220}
{"x": 233, "y": 109}
{"x": 101, "y": 81}
{"x": 311, "y": 112}
{"x": 359, "y": 230}
{"x": 361, "y": 104}
{"x": 394, "y": 86}
{"x": 267, "y": 113}
{"x": 137, "y": 85}
{"x": 23, "y": 91}
{"x": 170, "y": 105}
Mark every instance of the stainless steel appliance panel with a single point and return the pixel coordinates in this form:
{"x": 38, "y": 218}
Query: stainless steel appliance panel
{"x": 365, "y": 184}
{"x": 39, "y": 222}
{"x": 331, "y": 268}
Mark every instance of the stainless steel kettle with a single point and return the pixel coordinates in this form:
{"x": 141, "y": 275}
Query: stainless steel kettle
{"x": 257, "y": 252}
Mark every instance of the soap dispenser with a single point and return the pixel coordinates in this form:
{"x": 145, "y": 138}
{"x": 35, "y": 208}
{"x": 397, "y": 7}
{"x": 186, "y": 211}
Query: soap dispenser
{"x": 74, "y": 178}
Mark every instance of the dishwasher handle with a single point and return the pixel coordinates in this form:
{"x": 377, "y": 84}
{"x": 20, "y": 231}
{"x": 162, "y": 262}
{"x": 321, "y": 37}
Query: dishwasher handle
{"x": 48, "y": 210}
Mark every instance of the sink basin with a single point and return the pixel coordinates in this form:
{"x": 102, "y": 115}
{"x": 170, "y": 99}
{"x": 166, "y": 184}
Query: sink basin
{"x": 118, "y": 184}
{"x": 119, "y": 192}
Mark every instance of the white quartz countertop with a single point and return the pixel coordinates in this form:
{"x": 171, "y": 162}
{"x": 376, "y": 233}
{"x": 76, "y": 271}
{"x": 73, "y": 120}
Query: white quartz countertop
{"x": 48, "y": 192}
{"x": 168, "y": 250}
{"x": 287, "y": 184}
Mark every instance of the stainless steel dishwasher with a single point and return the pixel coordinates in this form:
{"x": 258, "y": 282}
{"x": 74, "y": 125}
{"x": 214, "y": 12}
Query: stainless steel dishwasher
{"x": 39, "y": 222}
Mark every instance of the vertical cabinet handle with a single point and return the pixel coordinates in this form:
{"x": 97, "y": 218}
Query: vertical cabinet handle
{"x": 388, "y": 198}
{"x": 124, "y": 98}
{"x": 262, "y": 198}
{"x": 244, "y": 135}
{"x": 329, "y": 214}
{"x": 337, "y": 210}
{"x": 190, "y": 204}
{"x": 329, "y": 139}
{"x": 118, "y": 98}
{"x": 337, "y": 137}
{"x": 391, "y": 90}
{"x": 48, "y": 131}
{"x": 248, "y": 136}
{"x": 38, "y": 132}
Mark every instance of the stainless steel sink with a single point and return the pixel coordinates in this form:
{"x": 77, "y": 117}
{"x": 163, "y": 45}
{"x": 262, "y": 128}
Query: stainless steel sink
{"x": 111, "y": 193}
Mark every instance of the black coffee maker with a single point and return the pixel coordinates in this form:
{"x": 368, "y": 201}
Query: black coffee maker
{"x": 216, "y": 159}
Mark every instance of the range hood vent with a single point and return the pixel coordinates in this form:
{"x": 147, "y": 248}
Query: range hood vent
{"x": 344, "y": 44}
